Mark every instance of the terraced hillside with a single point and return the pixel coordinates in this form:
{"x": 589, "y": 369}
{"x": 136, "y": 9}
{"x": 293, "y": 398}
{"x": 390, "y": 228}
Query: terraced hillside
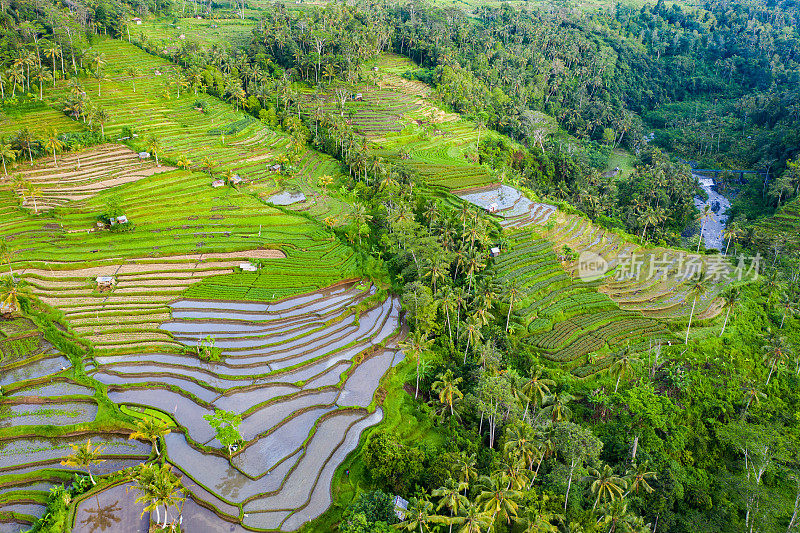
{"x": 402, "y": 120}
{"x": 81, "y": 175}
{"x": 37, "y": 117}
{"x": 569, "y": 321}
{"x": 227, "y": 139}
{"x": 650, "y": 280}
{"x": 782, "y": 226}
{"x": 302, "y": 371}
{"x": 43, "y": 411}
{"x": 203, "y": 32}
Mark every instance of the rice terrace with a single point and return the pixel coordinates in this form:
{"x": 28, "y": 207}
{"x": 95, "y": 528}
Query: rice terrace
{"x": 469, "y": 266}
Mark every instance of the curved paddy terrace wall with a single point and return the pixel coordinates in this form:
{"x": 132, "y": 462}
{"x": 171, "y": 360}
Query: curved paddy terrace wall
{"x": 303, "y": 373}
{"x": 648, "y": 279}
{"x": 42, "y": 413}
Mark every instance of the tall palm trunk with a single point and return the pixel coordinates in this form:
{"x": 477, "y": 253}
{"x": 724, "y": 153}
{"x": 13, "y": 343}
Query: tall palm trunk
{"x": 725, "y": 323}
{"x": 690, "y": 320}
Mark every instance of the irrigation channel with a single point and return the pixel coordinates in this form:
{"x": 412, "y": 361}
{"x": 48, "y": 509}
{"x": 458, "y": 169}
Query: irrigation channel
{"x": 715, "y": 226}
{"x": 302, "y": 372}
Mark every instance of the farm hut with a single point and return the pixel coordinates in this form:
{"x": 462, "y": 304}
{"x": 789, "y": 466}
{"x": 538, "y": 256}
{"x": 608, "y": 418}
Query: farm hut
{"x": 235, "y": 179}
{"x": 493, "y": 207}
{"x": 144, "y": 155}
{"x": 137, "y": 21}
{"x": 358, "y": 97}
{"x": 374, "y": 69}
{"x": 105, "y": 283}
{"x": 248, "y": 267}
{"x": 217, "y": 183}
{"x": 275, "y": 168}
{"x": 611, "y": 173}
{"x": 400, "y": 507}
{"x": 181, "y": 36}
{"x": 495, "y": 251}
{"x": 122, "y": 219}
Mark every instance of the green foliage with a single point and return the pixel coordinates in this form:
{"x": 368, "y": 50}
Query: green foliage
{"x": 376, "y": 507}
{"x": 392, "y": 463}
{"x": 226, "y": 424}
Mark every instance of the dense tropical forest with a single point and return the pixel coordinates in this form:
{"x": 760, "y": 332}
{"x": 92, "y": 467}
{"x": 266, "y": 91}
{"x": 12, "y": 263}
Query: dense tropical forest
{"x": 347, "y": 242}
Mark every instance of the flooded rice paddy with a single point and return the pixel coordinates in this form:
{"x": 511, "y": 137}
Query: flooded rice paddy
{"x": 301, "y": 372}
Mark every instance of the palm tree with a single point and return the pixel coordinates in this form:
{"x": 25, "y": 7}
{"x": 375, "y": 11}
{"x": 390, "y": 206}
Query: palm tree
{"x": 154, "y": 145}
{"x": 512, "y": 293}
{"x": 497, "y": 499}
{"x": 788, "y": 302}
{"x": 24, "y": 138}
{"x": 133, "y": 73}
{"x": 606, "y": 484}
{"x": 53, "y": 144}
{"x": 450, "y": 496}
{"x": 520, "y": 444}
{"x": 625, "y": 364}
{"x": 158, "y": 486}
{"x": 11, "y": 290}
{"x": 99, "y": 61}
{"x": 705, "y": 215}
{"x": 53, "y": 52}
{"x": 472, "y": 332}
{"x": 775, "y": 350}
{"x": 697, "y": 286}
{"x": 41, "y": 75}
{"x": 418, "y": 515}
{"x": 100, "y": 77}
{"x": 537, "y": 388}
{"x": 556, "y": 406}
{"x": 472, "y": 520}
{"x": 617, "y": 517}
{"x": 7, "y": 152}
{"x": 101, "y": 116}
{"x": 636, "y": 478}
{"x": 32, "y": 191}
{"x": 150, "y": 429}
{"x": 731, "y": 233}
{"x": 415, "y": 345}
{"x": 446, "y": 386}
{"x": 467, "y": 471}
{"x": 753, "y": 395}
{"x": 184, "y": 162}
{"x": 84, "y": 456}
{"x": 731, "y": 297}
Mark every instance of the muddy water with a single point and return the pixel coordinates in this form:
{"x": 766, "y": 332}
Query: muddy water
{"x": 300, "y": 482}
{"x": 362, "y": 384}
{"x": 185, "y": 411}
{"x": 269, "y": 416}
{"x": 57, "y": 414}
{"x": 265, "y": 453}
{"x": 243, "y": 400}
{"x": 201, "y": 392}
{"x": 14, "y": 452}
{"x": 200, "y": 520}
{"x": 36, "y": 369}
{"x": 30, "y": 509}
{"x": 114, "y": 510}
{"x": 13, "y": 527}
{"x": 57, "y": 388}
{"x": 321, "y": 496}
